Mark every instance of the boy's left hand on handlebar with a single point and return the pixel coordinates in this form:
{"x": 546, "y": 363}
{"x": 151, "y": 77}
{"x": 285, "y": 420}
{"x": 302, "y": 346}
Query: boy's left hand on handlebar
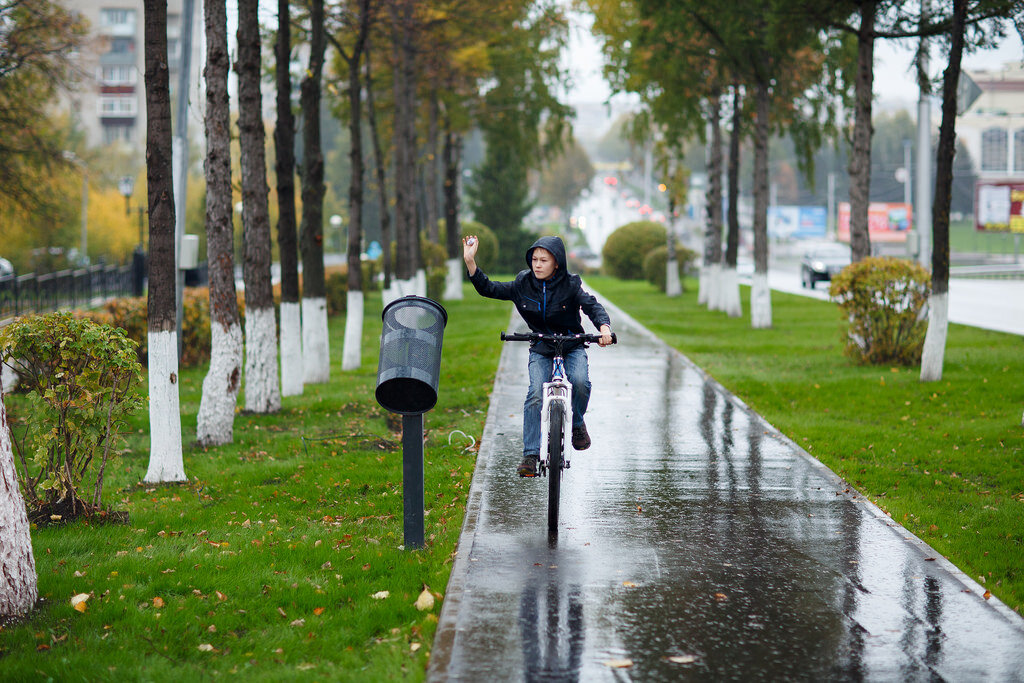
{"x": 606, "y": 336}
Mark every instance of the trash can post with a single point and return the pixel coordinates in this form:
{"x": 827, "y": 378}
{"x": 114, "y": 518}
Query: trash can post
{"x": 412, "y": 479}
{"x": 407, "y": 377}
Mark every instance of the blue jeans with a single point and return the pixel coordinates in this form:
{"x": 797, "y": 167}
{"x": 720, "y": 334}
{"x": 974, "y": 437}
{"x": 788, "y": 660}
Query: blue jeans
{"x": 576, "y": 369}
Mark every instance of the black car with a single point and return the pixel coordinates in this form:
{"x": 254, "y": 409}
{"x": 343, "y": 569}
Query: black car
{"x": 821, "y": 263}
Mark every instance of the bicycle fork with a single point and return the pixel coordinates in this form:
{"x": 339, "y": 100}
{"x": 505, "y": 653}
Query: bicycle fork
{"x": 558, "y": 390}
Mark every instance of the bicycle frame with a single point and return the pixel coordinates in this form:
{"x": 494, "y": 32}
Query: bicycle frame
{"x": 558, "y": 390}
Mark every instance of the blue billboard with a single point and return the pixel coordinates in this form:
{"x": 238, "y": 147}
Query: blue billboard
{"x": 797, "y": 222}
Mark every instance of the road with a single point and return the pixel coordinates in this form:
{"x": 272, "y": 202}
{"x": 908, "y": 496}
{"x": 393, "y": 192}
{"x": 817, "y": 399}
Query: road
{"x": 697, "y": 543}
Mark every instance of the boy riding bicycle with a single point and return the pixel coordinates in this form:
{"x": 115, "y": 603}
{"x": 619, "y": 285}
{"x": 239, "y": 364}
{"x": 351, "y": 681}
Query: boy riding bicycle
{"x": 549, "y": 299}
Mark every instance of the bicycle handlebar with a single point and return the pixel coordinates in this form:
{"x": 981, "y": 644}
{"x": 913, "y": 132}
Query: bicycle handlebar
{"x": 537, "y": 336}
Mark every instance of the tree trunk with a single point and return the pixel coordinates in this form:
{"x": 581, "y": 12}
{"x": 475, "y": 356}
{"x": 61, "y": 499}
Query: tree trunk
{"x": 430, "y": 173}
{"x": 18, "y": 582}
{"x": 287, "y": 239}
{"x": 760, "y": 294}
{"x": 262, "y": 383}
{"x": 453, "y": 233}
{"x": 215, "y": 422}
{"x": 405, "y": 146}
{"x": 673, "y": 287}
{"x": 938, "y": 319}
{"x": 730, "y": 297}
{"x": 379, "y": 163}
{"x": 352, "y": 348}
{"x": 860, "y": 155}
{"x": 315, "y": 345}
{"x": 165, "y": 457}
{"x": 706, "y": 293}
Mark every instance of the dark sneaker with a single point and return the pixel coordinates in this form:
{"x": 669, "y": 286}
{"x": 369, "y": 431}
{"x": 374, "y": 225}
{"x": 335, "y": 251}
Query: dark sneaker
{"x": 528, "y": 467}
{"x": 580, "y": 438}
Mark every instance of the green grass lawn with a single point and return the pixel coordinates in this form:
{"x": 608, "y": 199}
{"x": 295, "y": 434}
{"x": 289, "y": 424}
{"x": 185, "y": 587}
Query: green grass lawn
{"x": 265, "y": 563}
{"x": 945, "y": 459}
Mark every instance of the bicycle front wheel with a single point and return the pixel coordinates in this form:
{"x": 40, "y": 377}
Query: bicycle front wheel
{"x": 556, "y": 437}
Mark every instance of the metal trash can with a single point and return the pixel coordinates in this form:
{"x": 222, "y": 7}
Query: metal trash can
{"x": 410, "y": 355}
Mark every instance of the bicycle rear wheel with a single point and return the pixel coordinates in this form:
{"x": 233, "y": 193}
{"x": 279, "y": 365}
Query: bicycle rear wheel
{"x": 556, "y": 437}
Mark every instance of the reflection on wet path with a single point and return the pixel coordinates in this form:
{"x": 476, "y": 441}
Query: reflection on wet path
{"x": 696, "y": 543}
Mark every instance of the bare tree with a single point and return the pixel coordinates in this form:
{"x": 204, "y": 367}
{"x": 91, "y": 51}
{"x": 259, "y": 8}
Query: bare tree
{"x": 216, "y": 419}
{"x": 165, "y": 457}
{"x": 262, "y": 388}
{"x": 713, "y": 227}
{"x": 287, "y": 239}
{"x": 18, "y": 581}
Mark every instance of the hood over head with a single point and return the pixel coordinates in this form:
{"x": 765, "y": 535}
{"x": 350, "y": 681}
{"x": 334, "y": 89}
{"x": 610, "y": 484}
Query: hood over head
{"x": 555, "y": 246}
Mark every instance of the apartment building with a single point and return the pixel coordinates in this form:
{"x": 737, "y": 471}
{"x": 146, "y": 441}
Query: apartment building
{"x": 110, "y": 102}
{"x": 992, "y": 126}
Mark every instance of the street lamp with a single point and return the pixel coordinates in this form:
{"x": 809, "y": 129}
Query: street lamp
{"x": 126, "y": 186}
{"x": 336, "y": 222}
{"x": 77, "y": 161}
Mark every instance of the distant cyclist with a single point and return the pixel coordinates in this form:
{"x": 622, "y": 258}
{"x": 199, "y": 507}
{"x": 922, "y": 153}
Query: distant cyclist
{"x": 549, "y": 299}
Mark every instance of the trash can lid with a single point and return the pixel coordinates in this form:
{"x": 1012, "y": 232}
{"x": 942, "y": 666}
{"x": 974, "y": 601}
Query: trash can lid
{"x": 413, "y": 299}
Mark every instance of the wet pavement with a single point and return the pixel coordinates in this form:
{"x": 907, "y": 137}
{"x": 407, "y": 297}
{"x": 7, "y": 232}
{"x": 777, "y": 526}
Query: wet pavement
{"x": 696, "y": 543}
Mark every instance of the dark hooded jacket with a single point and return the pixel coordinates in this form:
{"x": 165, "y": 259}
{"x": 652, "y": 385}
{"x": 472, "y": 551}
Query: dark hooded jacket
{"x": 551, "y": 305}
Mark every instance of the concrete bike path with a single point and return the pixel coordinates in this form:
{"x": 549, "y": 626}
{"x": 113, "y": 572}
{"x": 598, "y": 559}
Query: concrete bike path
{"x": 696, "y": 543}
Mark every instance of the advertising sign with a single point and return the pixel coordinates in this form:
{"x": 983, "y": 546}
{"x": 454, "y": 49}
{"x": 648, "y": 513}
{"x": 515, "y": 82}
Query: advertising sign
{"x": 797, "y": 222}
{"x": 887, "y": 221}
{"x": 999, "y": 206}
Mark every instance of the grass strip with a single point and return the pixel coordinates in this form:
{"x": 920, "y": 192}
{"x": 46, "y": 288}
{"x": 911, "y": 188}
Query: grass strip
{"x": 266, "y": 562}
{"x": 945, "y": 459}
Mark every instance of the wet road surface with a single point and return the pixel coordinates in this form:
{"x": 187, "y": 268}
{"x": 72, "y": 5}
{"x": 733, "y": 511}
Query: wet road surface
{"x": 696, "y": 543}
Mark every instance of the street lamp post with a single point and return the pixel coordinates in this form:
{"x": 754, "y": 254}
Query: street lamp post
{"x": 336, "y": 221}
{"x": 77, "y": 161}
{"x": 126, "y": 186}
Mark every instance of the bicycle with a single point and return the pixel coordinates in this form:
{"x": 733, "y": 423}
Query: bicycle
{"x": 555, "y": 429}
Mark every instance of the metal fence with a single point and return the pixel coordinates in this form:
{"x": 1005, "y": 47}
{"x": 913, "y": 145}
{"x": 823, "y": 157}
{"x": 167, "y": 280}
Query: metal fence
{"x": 31, "y": 293}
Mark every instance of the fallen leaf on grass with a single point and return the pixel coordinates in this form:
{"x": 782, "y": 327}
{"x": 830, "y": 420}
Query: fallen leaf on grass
{"x": 619, "y": 663}
{"x": 681, "y": 659}
{"x": 78, "y": 601}
{"x": 158, "y": 602}
{"x": 318, "y": 611}
{"x": 298, "y": 622}
{"x": 220, "y": 596}
{"x": 206, "y": 647}
{"x": 414, "y": 647}
{"x": 425, "y": 601}
{"x": 305, "y": 666}
{"x": 381, "y": 595}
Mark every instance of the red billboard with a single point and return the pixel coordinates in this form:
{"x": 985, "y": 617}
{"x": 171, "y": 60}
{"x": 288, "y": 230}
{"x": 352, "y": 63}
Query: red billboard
{"x": 999, "y": 206}
{"x": 887, "y": 221}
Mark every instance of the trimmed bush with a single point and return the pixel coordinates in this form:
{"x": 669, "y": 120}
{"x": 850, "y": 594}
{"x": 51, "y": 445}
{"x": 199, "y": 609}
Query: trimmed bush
{"x": 884, "y": 299}
{"x": 656, "y": 264}
{"x": 81, "y": 379}
{"x": 625, "y": 249}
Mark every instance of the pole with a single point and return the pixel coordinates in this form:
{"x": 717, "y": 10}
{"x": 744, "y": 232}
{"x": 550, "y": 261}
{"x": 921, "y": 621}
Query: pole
{"x": 909, "y": 177}
{"x": 830, "y": 219}
{"x": 85, "y": 216}
{"x": 923, "y": 205}
{"x": 412, "y": 479}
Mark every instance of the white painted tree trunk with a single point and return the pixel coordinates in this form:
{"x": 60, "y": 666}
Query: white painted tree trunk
{"x": 934, "y": 351}
{"x": 702, "y": 285}
{"x": 760, "y": 302}
{"x": 18, "y": 582}
{"x": 673, "y": 287}
{"x": 352, "y": 352}
{"x": 216, "y": 420}
{"x": 421, "y": 282}
{"x": 715, "y": 287}
{"x": 8, "y": 378}
{"x": 399, "y": 288}
{"x": 165, "y": 459}
{"x": 316, "y": 350}
{"x": 453, "y": 283}
{"x": 730, "y": 295}
{"x": 262, "y": 386}
{"x": 291, "y": 349}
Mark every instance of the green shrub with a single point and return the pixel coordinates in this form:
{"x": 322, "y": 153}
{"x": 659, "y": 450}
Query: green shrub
{"x": 884, "y": 300}
{"x": 656, "y": 264}
{"x": 487, "y": 254}
{"x": 81, "y": 378}
{"x": 625, "y": 249}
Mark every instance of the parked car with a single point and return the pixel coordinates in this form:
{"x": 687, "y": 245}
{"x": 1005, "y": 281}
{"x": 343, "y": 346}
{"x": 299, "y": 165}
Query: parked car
{"x": 821, "y": 263}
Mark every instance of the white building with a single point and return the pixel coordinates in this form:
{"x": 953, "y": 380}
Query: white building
{"x": 110, "y": 102}
{"x": 992, "y": 127}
